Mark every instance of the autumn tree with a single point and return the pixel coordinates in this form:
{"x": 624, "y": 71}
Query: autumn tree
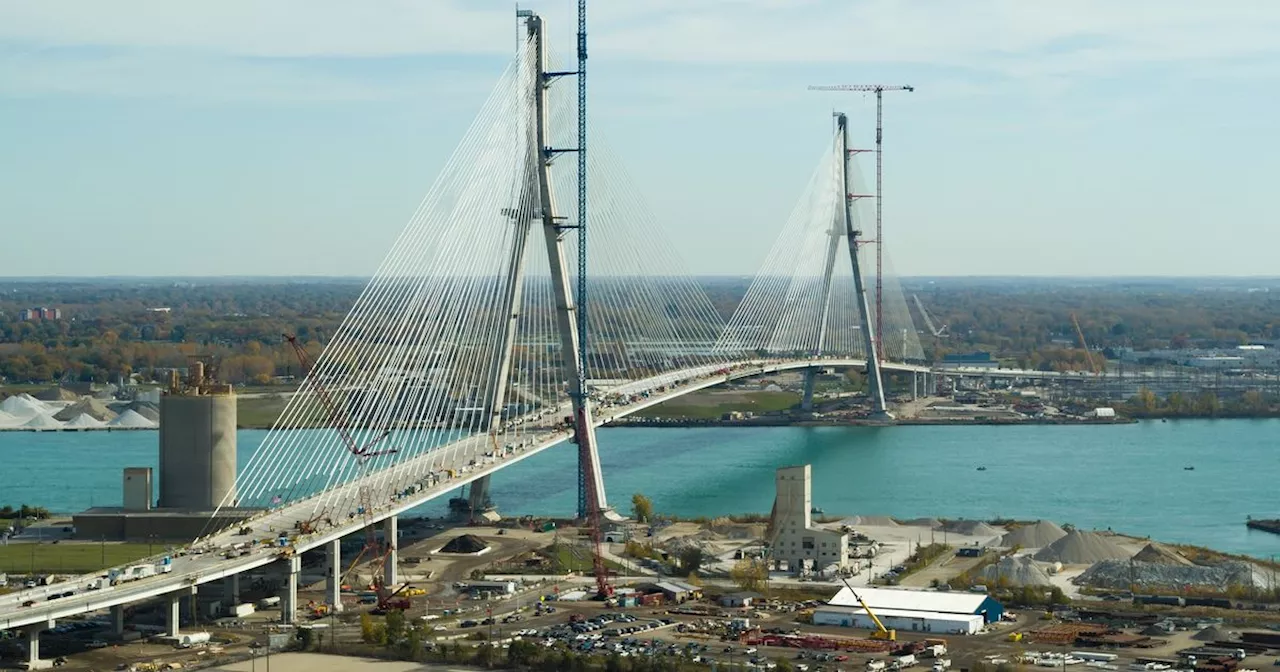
{"x": 642, "y": 508}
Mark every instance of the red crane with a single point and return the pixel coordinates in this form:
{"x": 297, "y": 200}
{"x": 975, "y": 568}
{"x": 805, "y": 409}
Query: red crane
{"x": 879, "y": 90}
{"x": 603, "y": 589}
{"x": 337, "y": 417}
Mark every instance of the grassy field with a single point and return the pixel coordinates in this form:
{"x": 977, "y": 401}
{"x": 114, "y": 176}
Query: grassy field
{"x": 68, "y": 557}
{"x": 259, "y": 412}
{"x": 711, "y": 404}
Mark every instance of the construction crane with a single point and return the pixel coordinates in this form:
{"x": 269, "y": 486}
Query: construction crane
{"x": 1088, "y": 354}
{"x": 881, "y": 631}
{"x": 938, "y": 332}
{"x": 879, "y": 90}
{"x": 341, "y": 423}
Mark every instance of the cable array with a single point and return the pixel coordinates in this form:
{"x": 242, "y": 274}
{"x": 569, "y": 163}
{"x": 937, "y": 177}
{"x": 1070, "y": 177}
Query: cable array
{"x": 415, "y": 369}
{"x": 786, "y": 311}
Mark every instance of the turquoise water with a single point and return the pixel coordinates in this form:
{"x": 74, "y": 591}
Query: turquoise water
{"x": 1128, "y": 477}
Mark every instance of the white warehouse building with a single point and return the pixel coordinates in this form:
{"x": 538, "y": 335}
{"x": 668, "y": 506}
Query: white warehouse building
{"x": 911, "y": 610}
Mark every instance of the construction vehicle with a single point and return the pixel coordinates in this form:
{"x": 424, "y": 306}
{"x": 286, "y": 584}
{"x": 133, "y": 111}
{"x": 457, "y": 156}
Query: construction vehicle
{"x": 1088, "y": 354}
{"x": 881, "y": 632}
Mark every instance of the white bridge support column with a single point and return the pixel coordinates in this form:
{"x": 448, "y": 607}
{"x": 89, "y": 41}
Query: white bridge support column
{"x": 333, "y": 575}
{"x": 479, "y": 497}
{"x": 117, "y": 620}
{"x": 390, "y": 571}
{"x": 172, "y": 614}
{"x": 33, "y": 645}
{"x": 289, "y": 599}
{"x": 566, "y": 310}
{"x": 915, "y": 385}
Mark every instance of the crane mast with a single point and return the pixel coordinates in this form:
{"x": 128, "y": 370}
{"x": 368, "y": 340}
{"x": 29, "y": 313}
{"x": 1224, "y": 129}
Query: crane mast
{"x": 879, "y": 90}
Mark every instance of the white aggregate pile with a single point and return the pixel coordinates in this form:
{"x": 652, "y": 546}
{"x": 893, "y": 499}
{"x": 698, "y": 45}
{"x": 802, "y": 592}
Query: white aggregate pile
{"x": 873, "y": 521}
{"x": 931, "y": 523}
{"x": 24, "y": 406}
{"x": 130, "y": 419}
{"x": 84, "y": 421}
{"x": 1119, "y": 574}
{"x": 91, "y": 407}
{"x": 1160, "y": 554}
{"x": 1038, "y": 535}
{"x": 1019, "y": 571}
{"x": 971, "y": 528}
{"x": 1082, "y": 547}
{"x": 42, "y": 422}
{"x": 10, "y": 420}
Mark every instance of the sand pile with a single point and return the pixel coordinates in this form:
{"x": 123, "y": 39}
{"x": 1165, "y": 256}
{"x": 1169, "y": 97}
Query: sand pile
{"x": 1020, "y": 571}
{"x": 42, "y": 422}
{"x": 24, "y": 406}
{"x": 84, "y": 421}
{"x": 131, "y": 420}
{"x": 1037, "y": 535}
{"x": 1121, "y": 574}
{"x": 466, "y": 543}
{"x": 10, "y": 420}
{"x": 1082, "y": 548}
{"x": 970, "y": 528}
{"x": 1159, "y": 554}
{"x": 873, "y": 521}
{"x": 931, "y": 523}
{"x": 57, "y": 394}
{"x": 1213, "y": 633}
{"x": 89, "y": 406}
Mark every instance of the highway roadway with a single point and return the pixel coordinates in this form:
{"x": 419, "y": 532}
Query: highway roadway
{"x": 203, "y": 561}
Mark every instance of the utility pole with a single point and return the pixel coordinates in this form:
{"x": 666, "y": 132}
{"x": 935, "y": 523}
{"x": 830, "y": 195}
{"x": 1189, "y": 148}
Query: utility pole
{"x": 879, "y": 90}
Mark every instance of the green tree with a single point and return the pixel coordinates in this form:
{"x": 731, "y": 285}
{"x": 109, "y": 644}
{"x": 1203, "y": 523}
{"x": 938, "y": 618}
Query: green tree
{"x": 414, "y": 645}
{"x": 395, "y": 625}
{"x": 366, "y": 629}
{"x": 306, "y": 638}
{"x": 691, "y": 558}
{"x": 642, "y": 508}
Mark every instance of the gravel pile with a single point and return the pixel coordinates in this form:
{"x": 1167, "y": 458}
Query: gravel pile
{"x": 1037, "y": 535}
{"x": 84, "y": 421}
{"x": 91, "y": 407}
{"x": 10, "y": 420}
{"x": 1017, "y": 572}
{"x": 466, "y": 543}
{"x": 41, "y": 422}
{"x": 1120, "y": 574}
{"x": 873, "y": 521}
{"x": 1082, "y": 548}
{"x": 131, "y": 420}
{"x": 146, "y": 409}
{"x": 24, "y": 406}
{"x": 1159, "y": 554}
{"x": 57, "y": 394}
{"x": 1213, "y": 633}
{"x": 971, "y": 528}
{"x": 931, "y": 523}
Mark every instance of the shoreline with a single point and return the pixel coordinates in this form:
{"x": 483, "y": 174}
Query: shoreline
{"x": 851, "y": 422}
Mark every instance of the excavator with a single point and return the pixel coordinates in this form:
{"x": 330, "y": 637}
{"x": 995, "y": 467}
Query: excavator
{"x": 881, "y": 632}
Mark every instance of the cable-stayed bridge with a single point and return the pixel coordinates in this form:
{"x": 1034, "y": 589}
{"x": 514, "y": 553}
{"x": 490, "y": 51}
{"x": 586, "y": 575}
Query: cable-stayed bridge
{"x": 465, "y": 353}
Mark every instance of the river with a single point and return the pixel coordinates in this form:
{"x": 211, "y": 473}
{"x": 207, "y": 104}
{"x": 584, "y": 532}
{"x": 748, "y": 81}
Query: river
{"x": 1131, "y": 478}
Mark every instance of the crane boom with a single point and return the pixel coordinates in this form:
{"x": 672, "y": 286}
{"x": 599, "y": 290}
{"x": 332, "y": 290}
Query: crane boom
{"x": 884, "y": 632}
{"x": 879, "y": 90}
{"x": 337, "y": 418}
{"x": 1088, "y": 355}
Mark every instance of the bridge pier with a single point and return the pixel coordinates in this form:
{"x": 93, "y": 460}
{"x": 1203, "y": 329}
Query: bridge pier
{"x": 32, "y": 652}
{"x": 231, "y": 588}
{"x": 915, "y": 385}
{"x": 172, "y": 614}
{"x": 390, "y": 531}
{"x": 333, "y": 575}
{"x": 117, "y": 620}
{"x": 810, "y": 381}
{"x": 289, "y": 600}
{"x": 479, "y": 501}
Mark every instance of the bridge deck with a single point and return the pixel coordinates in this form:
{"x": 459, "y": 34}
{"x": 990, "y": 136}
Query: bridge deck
{"x": 203, "y": 561}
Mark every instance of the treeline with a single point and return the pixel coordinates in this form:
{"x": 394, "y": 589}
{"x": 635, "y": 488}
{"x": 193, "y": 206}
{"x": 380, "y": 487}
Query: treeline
{"x": 23, "y": 512}
{"x": 1205, "y": 404}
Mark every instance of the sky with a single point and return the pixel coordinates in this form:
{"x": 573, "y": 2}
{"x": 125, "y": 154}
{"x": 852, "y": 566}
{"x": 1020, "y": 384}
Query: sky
{"x": 296, "y": 137}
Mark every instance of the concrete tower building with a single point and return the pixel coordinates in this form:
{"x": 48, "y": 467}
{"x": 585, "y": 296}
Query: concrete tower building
{"x": 197, "y": 444}
{"x": 794, "y": 538}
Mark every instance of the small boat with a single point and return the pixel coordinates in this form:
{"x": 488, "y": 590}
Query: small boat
{"x": 817, "y": 511}
{"x": 982, "y": 468}
{"x": 1188, "y": 468}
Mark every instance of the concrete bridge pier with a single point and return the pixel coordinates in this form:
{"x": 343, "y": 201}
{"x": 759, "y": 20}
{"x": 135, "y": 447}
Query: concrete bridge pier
{"x": 289, "y": 600}
{"x": 117, "y": 620}
{"x": 391, "y": 535}
{"x": 172, "y": 614}
{"x": 333, "y": 575}
{"x": 33, "y": 661}
{"x": 231, "y": 589}
{"x": 810, "y": 381}
{"x": 478, "y": 500}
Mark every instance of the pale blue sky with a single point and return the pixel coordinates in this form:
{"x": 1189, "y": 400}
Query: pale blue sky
{"x": 1090, "y": 137}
